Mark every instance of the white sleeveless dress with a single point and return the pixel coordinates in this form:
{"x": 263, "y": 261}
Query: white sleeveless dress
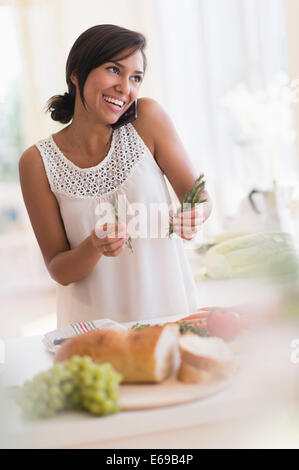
{"x": 155, "y": 279}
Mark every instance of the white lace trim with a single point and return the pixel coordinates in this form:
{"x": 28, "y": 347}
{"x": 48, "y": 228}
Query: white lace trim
{"x": 127, "y": 149}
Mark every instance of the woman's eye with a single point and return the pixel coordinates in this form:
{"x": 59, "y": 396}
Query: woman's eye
{"x": 117, "y": 70}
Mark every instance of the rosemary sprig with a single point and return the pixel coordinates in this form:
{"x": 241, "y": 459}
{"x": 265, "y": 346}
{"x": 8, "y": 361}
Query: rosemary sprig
{"x": 129, "y": 241}
{"x": 139, "y": 326}
{"x": 191, "y": 197}
{"x": 185, "y": 326}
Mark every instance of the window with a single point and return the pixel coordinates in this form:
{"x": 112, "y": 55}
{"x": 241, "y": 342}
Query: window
{"x": 10, "y": 98}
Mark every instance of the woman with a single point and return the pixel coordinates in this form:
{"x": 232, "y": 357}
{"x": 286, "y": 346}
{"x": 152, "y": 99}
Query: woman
{"x": 103, "y": 154}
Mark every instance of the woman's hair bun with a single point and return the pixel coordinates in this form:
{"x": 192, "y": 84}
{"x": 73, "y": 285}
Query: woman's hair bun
{"x": 61, "y": 107}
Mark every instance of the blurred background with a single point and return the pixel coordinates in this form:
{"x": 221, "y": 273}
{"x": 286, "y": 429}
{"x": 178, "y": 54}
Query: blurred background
{"x": 226, "y": 71}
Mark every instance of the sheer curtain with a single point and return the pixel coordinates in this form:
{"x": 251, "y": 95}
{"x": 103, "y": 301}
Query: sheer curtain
{"x": 197, "y": 51}
{"x": 207, "y": 48}
{"x": 47, "y": 30}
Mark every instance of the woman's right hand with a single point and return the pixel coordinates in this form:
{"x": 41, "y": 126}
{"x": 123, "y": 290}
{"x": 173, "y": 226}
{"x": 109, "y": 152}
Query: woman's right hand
{"x": 110, "y": 238}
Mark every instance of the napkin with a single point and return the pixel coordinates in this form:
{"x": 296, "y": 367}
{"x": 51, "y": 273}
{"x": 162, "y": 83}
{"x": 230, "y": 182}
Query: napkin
{"x": 76, "y": 329}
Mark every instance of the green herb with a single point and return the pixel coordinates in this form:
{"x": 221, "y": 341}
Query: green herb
{"x": 139, "y": 326}
{"x": 129, "y": 241}
{"x": 193, "y": 197}
{"x": 185, "y": 326}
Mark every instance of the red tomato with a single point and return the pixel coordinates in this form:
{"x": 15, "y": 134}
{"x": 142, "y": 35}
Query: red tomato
{"x": 224, "y": 324}
{"x": 246, "y": 322}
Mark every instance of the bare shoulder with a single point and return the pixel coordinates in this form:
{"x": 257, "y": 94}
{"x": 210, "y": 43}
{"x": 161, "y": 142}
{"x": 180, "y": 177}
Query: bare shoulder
{"x": 150, "y": 113}
{"x": 149, "y": 109}
{"x": 31, "y": 167}
{"x": 146, "y": 103}
{"x": 31, "y": 158}
{"x": 34, "y": 181}
{"x": 154, "y": 117}
{"x": 41, "y": 204}
{"x": 29, "y": 154}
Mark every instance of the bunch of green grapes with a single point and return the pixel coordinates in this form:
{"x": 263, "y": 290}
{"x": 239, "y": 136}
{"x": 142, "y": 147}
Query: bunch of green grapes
{"x": 77, "y": 383}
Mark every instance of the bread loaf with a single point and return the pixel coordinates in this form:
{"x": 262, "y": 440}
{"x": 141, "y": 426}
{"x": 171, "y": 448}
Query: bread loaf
{"x": 204, "y": 358}
{"x": 140, "y": 356}
{"x": 192, "y": 375}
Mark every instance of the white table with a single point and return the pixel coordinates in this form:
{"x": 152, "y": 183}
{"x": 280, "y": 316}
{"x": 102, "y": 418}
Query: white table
{"x": 258, "y": 409}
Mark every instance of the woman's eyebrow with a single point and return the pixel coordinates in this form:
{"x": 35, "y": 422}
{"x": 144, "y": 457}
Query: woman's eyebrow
{"x": 123, "y": 66}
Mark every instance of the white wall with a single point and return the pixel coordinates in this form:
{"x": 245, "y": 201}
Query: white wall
{"x": 292, "y": 32}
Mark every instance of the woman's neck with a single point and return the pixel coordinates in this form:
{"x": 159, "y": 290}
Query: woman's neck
{"x": 88, "y": 138}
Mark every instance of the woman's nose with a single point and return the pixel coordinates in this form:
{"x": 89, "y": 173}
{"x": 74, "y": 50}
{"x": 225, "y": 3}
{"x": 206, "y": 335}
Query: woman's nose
{"x": 124, "y": 85}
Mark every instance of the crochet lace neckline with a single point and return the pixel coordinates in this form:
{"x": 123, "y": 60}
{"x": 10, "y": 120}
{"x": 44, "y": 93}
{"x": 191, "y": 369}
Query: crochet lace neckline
{"x": 78, "y": 168}
{"x": 126, "y": 151}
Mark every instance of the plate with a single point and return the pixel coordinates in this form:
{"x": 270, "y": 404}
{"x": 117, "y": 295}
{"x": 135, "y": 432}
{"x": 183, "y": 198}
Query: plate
{"x": 168, "y": 393}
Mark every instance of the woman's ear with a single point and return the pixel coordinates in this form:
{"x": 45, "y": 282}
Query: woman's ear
{"x": 74, "y": 78}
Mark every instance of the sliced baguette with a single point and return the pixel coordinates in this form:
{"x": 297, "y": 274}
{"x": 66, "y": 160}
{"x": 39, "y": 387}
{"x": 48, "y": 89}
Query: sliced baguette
{"x": 192, "y": 375}
{"x": 204, "y": 354}
{"x": 141, "y": 356}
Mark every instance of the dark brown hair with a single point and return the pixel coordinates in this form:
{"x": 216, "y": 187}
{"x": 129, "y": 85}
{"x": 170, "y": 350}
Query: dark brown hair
{"x": 94, "y": 47}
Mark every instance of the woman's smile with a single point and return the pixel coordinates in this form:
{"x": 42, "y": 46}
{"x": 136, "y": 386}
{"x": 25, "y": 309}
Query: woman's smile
{"x": 114, "y": 107}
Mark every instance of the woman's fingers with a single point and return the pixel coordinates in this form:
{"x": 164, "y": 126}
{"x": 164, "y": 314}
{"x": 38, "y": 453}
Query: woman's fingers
{"x": 189, "y": 224}
{"x": 114, "y": 252}
{"x": 186, "y": 235}
{"x": 194, "y": 213}
{"x": 186, "y": 231}
{"x": 110, "y": 238}
{"x": 114, "y": 244}
{"x": 110, "y": 233}
{"x": 110, "y": 230}
{"x": 189, "y": 221}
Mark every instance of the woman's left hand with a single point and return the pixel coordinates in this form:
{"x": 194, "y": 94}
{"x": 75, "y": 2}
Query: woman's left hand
{"x": 187, "y": 223}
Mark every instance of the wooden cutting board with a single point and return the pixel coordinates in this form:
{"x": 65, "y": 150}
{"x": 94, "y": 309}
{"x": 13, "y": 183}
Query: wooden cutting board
{"x": 170, "y": 392}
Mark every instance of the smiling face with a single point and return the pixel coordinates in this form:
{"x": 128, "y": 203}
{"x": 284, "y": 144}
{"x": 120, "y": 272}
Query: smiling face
{"x": 118, "y": 80}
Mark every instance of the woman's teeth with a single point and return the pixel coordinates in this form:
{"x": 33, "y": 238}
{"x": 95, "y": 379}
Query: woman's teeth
{"x": 113, "y": 101}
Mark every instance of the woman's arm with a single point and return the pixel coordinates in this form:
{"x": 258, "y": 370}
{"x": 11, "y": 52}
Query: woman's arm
{"x": 65, "y": 265}
{"x": 170, "y": 153}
